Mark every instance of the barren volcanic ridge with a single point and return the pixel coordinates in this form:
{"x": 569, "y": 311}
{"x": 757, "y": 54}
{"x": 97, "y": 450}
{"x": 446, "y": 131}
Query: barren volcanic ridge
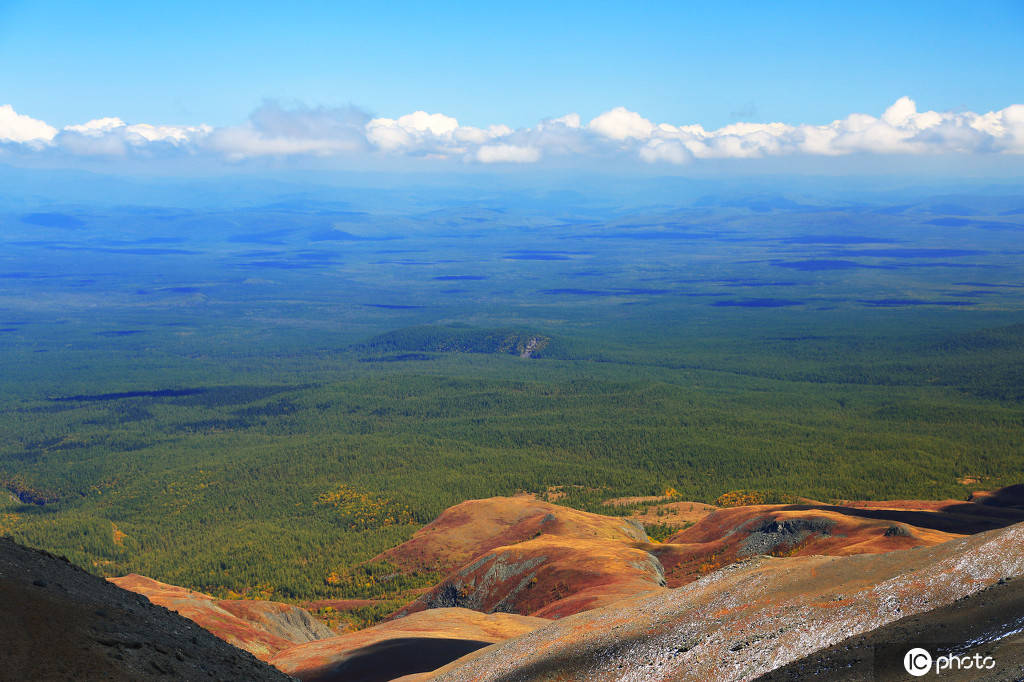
{"x": 533, "y": 590}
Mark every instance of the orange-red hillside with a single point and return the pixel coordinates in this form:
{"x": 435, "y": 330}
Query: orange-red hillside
{"x": 469, "y": 529}
{"x": 526, "y": 556}
{"x": 260, "y": 627}
{"x": 549, "y": 576}
{"x": 831, "y": 565}
{"x": 728, "y": 535}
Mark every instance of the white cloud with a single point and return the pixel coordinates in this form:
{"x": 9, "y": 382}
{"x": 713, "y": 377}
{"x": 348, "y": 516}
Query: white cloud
{"x": 422, "y": 122}
{"x": 173, "y": 134}
{"x": 244, "y": 142}
{"x": 1006, "y": 125}
{"x": 621, "y": 124}
{"x": 507, "y": 153}
{"x": 111, "y": 136}
{"x": 417, "y": 130}
{"x": 671, "y": 151}
{"x": 619, "y": 133}
{"x": 275, "y": 131}
{"x": 569, "y": 121}
{"x": 471, "y": 135}
{"x": 97, "y": 126}
{"x": 901, "y": 111}
{"x": 435, "y": 135}
{"x": 901, "y": 129}
{"x": 15, "y": 127}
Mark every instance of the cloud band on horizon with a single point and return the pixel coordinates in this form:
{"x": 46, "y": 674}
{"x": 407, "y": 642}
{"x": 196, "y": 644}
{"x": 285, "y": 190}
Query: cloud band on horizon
{"x": 273, "y": 131}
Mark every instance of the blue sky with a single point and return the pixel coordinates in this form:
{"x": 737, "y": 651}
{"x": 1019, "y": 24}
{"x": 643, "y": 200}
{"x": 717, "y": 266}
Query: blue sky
{"x": 513, "y": 64}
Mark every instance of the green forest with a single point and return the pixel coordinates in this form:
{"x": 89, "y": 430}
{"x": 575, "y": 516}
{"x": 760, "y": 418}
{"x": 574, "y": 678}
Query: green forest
{"x": 284, "y": 484}
{"x": 258, "y": 401}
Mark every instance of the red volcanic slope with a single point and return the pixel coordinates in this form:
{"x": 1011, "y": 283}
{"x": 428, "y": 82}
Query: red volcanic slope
{"x": 729, "y": 535}
{"x": 557, "y": 561}
{"x": 260, "y": 627}
{"x": 469, "y": 529}
{"x": 521, "y": 555}
{"x": 548, "y": 576}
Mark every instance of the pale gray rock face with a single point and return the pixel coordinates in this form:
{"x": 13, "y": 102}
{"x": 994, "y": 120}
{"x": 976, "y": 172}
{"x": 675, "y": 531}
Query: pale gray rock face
{"x": 750, "y": 618}
{"x": 291, "y": 622}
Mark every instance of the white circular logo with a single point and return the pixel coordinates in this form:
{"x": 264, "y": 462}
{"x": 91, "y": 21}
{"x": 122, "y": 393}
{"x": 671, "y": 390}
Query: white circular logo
{"x": 917, "y": 662}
